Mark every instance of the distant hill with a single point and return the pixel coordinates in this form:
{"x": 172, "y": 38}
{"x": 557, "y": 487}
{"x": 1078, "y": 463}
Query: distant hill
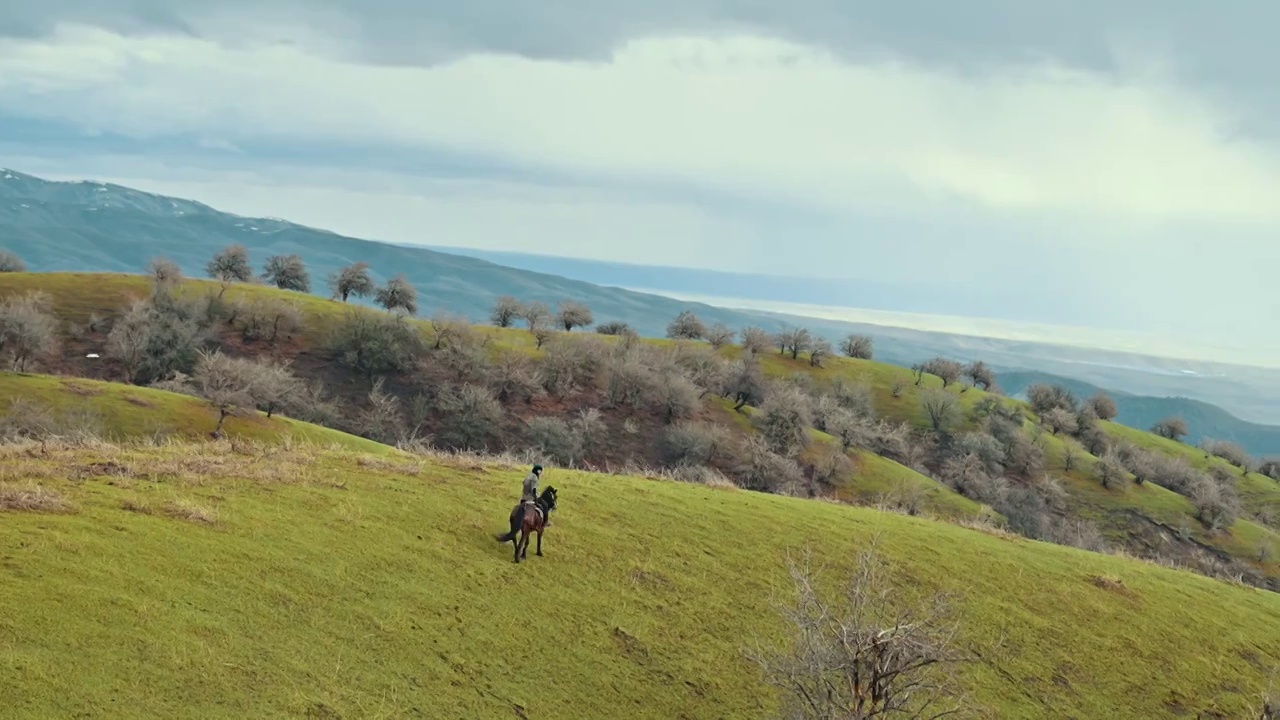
{"x": 1203, "y": 419}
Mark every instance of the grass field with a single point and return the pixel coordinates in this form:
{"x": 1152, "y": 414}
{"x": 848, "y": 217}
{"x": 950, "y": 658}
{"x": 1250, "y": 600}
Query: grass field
{"x": 126, "y": 412}
{"x": 204, "y": 582}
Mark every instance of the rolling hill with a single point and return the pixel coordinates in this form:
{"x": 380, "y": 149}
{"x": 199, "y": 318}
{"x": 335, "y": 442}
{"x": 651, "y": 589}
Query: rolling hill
{"x": 316, "y": 583}
{"x": 98, "y": 227}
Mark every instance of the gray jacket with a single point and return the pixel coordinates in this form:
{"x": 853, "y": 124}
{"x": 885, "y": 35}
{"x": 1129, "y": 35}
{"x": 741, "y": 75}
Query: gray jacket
{"x": 530, "y": 490}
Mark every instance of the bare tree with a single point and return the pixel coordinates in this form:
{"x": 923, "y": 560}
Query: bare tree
{"x": 28, "y": 329}
{"x": 274, "y": 385}
{"x": 1271, "y": 468}
{"x": 819, "y": 351}
{"x": 941, "y": 407}
{"x": 686, "y": 326}
{"x": 785, "y": 419}
{"x": 857, "y": 346}
{"x": 615, "y": 327}
{"x": 574, "y": 314}
{"x": 719, "y": 335}
{"x": 353, "y": 280}
{"x": 374, "y": 344}
{"x": 756, "y": 340}
{"x": 381, "y": 420}
{"x": 1111, "y": 472}
{"x": 11, "y": 263}
{"x": 472, "y": 417}
{"x": 870, "y": 656}
{"x": 948, "y": 370}
{"x": 287, "y": 272}
{"x": 794, "y": 341}
{"x": 506, "y": 310}
{"x": 1059, "y": 421}
{"x": 1172, "y": 428}
{"x": 231, "y": 264}
{"x": 536, "y": 315}
{"x": 1102, "y": 406}
{"x": 980, "y": 374}
{"x": 227, "y": 383}
{"x": 164, "y": 271}
{"x": 1044, "y": 398}
{"x": 1229, "y": 451}
{"x": 398, "y": 294}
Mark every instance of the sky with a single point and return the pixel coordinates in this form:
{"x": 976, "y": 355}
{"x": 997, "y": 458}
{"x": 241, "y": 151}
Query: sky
{"x": 1113, "y": 165}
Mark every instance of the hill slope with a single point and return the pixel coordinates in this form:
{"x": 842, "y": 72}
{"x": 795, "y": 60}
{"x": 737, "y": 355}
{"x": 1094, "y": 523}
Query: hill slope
{"x": 343, "y": 586}
{"x": 1204, "y": 420}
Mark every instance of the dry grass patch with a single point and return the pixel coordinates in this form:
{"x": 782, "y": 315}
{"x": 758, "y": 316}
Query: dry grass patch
{"x": 190, "y": 512}
{"x": 34, "y": 498}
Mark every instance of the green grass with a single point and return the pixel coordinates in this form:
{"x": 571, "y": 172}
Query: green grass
{"x": 366, "y": 587}
{"x": 126, "y": 412}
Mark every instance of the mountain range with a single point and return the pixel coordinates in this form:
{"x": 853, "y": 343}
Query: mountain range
{"x": 101, "y": 227}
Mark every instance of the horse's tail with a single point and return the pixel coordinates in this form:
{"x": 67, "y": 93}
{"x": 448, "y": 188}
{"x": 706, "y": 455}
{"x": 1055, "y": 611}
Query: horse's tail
{"x": 516, "y": 519}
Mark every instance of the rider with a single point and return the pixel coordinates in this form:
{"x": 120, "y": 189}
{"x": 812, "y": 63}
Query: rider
{"x": 530, "y": 489}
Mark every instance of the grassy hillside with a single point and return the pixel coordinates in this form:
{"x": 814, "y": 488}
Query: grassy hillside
{"x": 125, "y": 412}
{"x": 1203, "y": 420}
{"x": 305, "y": 581}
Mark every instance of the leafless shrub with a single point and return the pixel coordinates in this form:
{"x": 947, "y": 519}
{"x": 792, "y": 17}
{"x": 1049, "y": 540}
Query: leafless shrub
{"x": 784, "y": 421}
{"x": 382, "y": 419}
{"x": 1044, "y": 398}
{"x": 948, "y": 371}
{"x": 156, "y": 338}
{"x": 570, "y": 365}
{"x": 766, "y": 471}
{"x": 980, "y": 374}
{"x": 267, "y": 319}
{"x": 1111, "y": 472}
{"x": 819, "y": 351}
{"x": 311, "y": 403}
{"x": 1103, "y": 406}
{"x": 472, "y": 417}
{"x": 515, "y": 379}
{"x": 695, "y": 444}
{"x": 869, "y": 656}
{"x": 719, "y": 335}
{"x": 677, "y": 397}
{"x": 11, "y": 263}
{"x": 941, "y": 408}
{"x": 614, "y": 327}
{"x": 1058, "y": 421}
{"x": 1171, "y": 428}
{"x": 231, "y": 264}
{"x": 28, "y": 329}
{"x": 536, "y": 315}
{"x": 1071, "y": 455}
{"x": 552, "y": 438}
{"x": 374, "y": 344}
{"x": 164, "y": 271}
{"x": 829, "y": 467}
{"x": 898, "y": 388}
{"x": 745, "y": 383}
{"x": 1216, "y": 506}
{"x": 227, "y": 383}
{"x": 1270, "y": 467}
{"x": 1229, "y": 451}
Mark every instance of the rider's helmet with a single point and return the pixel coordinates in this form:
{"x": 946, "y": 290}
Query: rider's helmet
{"x": 537, "y": 469}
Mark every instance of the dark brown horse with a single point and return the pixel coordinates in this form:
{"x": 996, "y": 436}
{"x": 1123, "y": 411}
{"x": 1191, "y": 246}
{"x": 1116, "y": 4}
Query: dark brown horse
{"x": 529, "y": 517}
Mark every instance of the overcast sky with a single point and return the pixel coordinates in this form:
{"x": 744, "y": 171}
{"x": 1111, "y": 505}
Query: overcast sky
{"x": 1120, "y": 159}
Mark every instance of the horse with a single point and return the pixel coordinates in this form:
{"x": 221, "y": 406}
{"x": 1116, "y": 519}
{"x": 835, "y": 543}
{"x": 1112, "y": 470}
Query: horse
{"x": 529, "y": 516}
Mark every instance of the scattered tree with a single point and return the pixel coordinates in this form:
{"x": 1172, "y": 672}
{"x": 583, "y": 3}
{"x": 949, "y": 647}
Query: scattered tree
{"x": 819, "y": 351}
{"x": 1229, "y": 451}
{"x": 615, "y": 327}
{"x": 374, "y": 344}
{"x": 1059, "y": 421}
{"x": 164, "y": 271}
{"x": 573, "y": 314}
{"x": 948, "y": 370}
{"x": 980, "y": 374}
{"x": 1172, "y": 428}
{"x": 287, "y": 272}
{"x": 351, "y": 281}
{"x": 398, "y": 294}
{"x": 11, "y": 263}
{"x": 28, "y": 329}
{"x": 1044, "y": 398}
{"x": 1271, "y": 468}
{"x": 871, "y": 656}
{"x": 231, "y": 265}
{"x": 686, "y": 326}
{"x": 1111, "y": 472}
{"x": 1103, "y": 406}
{"x": 794, "y": 341}
{"x": 227, "y": 383}
{"x": 719, "y": 335}
{"x": 941, "y": 407}
{"x": 785, "y": 419}
{"x": 505, "y": 312}
{"x": 756, "y": 340}
{"x": 857, "y": 346}
{"x": 536, "y": 314}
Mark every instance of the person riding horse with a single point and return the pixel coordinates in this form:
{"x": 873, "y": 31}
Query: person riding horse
{"x": 529, "y": 493}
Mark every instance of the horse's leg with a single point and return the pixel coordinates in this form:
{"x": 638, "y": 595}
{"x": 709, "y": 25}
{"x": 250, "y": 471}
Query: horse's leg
{"x": 524, "y": 543}
{"x": 539, "y": 542}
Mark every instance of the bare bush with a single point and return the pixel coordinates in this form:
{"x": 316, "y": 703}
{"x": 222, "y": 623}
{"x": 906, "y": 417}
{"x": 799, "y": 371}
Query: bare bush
{"x": 1110, "y": 471}
{"x": 382, "y": 419}
{"x": 819, "y": 351}
{"x": 227, "y": 383}
{"x": 686, "y": 326}
{"x": 1216, "y": 507}
{"x": 695, "y": 444}
{"x": 397, "y": 295}
{"x": 870, "y": 655}
{"x": 574, "y": 314}
{"x": 1271, "y": 468}
{"x": 766, "y": 471}
{"x": 1229, "y": 451}
{"x": 941, "y": 408}
{"x": 28, "y": 329}
{"x": 756, "y": 340}
{"x": 677, "y": 397}
{"x": 1171, "y": 428}
{"x": 164, "y": 271}
{"x": 312, "y": 403}
{"x": 784, "y": 421}
{"x": 857, "y": 346}
{"x": 374, "y": 344}
{"x": 156, "y": 338}
{"x": 287, "y": 272}
{"x": 471, "y": 417}
{"x": 719, "y": 335}
{"x": 553, "y": 439}
{"x": 1059, "y": 421}
{"x": 570, "y": 365}
{"x": 231, "y": 264}
{"x": 11, "y": 263}
{"x": 269, "y": 319}
{"x": 515, "y": 379}
{"x": 1044, "y": 398}
{"x": 745, "y": 383}
{"x": 614, "y": 327}
{"x": 351, "y": 281}
{"x": 1103, "y": 406}
{"x": 536, "y": 315}
{"x": 505, "y": 312}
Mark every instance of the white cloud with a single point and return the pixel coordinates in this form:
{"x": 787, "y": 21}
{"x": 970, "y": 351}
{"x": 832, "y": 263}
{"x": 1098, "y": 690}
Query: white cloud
{"x": 750, "y": 114}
